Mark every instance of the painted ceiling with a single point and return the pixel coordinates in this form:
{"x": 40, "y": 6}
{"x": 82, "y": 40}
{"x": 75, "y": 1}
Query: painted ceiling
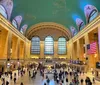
{"x": 62, "y": 12}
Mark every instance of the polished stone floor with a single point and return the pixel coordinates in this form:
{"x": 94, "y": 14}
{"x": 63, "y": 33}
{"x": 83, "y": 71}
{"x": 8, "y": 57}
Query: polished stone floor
{"x": 37, "y": 81}
{"x": 40, "y": 81}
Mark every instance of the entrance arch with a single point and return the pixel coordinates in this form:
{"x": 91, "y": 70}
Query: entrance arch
{"x": 48, "y": 29}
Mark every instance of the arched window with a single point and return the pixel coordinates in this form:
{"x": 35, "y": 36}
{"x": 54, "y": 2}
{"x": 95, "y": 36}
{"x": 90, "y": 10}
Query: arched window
{"x": 49, "y": 45}
{"x": 24, "y": 28}
{"x": 14, "y": 23}
{"x": 3, "y": 11}
{"x": 35, "y": 47}
{"x": 93, "y": 15}
{"x": 80, "y": 24}
{"x": 18, "y": 20}
{"x": 73, "y": 30}
{"x": 91, "y": 12}
{"x": 62, "y": 45}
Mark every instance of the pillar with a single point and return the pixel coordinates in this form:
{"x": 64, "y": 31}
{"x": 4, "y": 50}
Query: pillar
{"x": 14, "y": 47}
{"x": 82, "y": 49}
{"x": 28, "y": 51}
{"x": 75, "y": 50}
{"x": 42, "y": 49}
{"x": 9, "y": 45}
{"x": 3, "y": 44}
{"x": 78, "y": 49}
{"x": 18, "y": 48}
{"x": 99, "y": 43}
{"x": 25, "y": 50}
{"x": 21, "y": 52}
{"x": 56, "y": 49}
{"x": 86, "y": 55}
{"x": 86, "y": 42}
{"x": 72, "y": 49}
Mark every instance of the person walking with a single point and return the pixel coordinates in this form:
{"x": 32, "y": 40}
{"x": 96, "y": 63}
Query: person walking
{"x": 82, "y": 81}
{"x": 66, "y": 81}
{"x": 3, "y": 81}
{"x": 44, "y": 83}
{"x": 93, "y": 80}
{"x": 21, "y": 83}
{"x": 71, "y": 83}
{"x": 14, "y": 78}
{"x": 7, "y": 83}
{"x": 48, "y": 81}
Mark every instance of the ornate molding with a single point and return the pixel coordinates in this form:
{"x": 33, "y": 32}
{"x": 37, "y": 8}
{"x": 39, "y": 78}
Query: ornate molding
{"x": 8, "y": 26}
{"x": 88, "y": 28}
{"x": 47, "y": 25}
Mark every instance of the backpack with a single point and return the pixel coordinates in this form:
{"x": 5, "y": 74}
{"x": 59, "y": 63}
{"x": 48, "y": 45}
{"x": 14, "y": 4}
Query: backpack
{"x": 48, "y": 80}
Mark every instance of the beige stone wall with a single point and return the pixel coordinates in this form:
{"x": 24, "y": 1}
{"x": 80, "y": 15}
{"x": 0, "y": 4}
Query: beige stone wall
{"x": 13, "y": 44}
{"x": 76, "y": 45}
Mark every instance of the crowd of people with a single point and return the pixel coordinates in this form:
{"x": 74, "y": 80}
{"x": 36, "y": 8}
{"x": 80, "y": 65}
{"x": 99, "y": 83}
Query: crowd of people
{"x": 60, "y": 76}
{"x": 74, "y": 77}
{"x": 9, "y": 76}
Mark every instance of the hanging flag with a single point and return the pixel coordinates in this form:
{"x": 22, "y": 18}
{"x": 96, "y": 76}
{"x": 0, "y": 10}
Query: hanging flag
{"x": 92, "y": 48}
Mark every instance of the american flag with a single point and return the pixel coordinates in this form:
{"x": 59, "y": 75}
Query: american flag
{"x": 92, "y": 48}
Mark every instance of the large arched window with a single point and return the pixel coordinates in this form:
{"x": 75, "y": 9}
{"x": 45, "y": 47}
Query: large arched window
{"x": 80, "y": 24}
{"x": 93, "y": 15}
{"x": 14, "y": 23}
{"x": 73, "y": 30}
{"x": 91, "y": 12}
{"x": 23, "y": 29}
{"x": 18, "y": 20}
{"x": 35, "y": 47}
{"x": 62, "y": 45}
{"x": 49, "y": 45}
{"x": 3, "y": 11}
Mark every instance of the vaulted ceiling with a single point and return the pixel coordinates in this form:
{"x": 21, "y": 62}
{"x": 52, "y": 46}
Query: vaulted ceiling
{"x": 60, "y": 11}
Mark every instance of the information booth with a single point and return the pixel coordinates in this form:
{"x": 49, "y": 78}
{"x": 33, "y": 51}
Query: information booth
{"x": 78, "y": 65}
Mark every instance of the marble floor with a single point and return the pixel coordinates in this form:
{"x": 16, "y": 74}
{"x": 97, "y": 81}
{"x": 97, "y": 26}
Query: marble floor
{"x": 40, "y": 81}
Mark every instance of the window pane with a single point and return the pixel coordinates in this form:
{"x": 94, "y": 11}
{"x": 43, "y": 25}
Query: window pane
{"x": 35, "y": 48}
{"x": 49, "y": 45}
{"x": 14, "y": 23}
{"x": 82, "y": 25}
{"x": 93, "y": 15}
{"x": 3, "y": 11}
{"x": 62, "y": 46}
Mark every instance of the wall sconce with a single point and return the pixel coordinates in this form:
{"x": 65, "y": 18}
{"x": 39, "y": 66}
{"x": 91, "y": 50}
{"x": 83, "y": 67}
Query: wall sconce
{"x": 84, "y": 55}
{"x": 95, "y": 55}
{"x": 11, "y": 50}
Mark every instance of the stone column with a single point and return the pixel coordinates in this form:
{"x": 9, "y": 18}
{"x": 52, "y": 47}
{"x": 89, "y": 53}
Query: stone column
{"x": 78, "y": 49}
{"x": 86, "y": 42}
{"x": 87, "y": 57}
{"x": 42, "y": 49}
{"x": 9, "y": 45}
{"x": 99, "y": 43}
{"x": 18, "y": 49}
{"x": 72, "y": 49}
{"x": 25, "y": 51}
{"x": 56, "y": 49}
